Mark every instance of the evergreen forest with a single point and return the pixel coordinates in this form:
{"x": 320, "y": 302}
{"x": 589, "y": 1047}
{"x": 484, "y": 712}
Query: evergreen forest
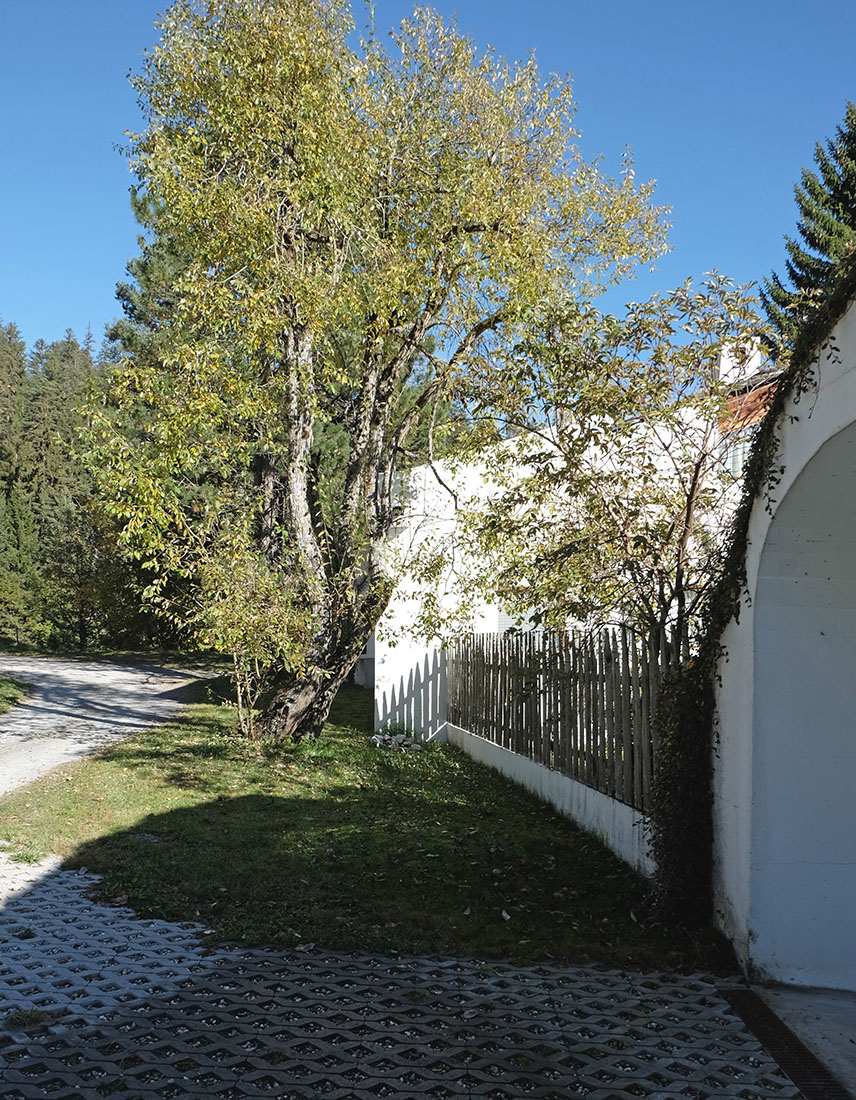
{"x": 64, "y": 583}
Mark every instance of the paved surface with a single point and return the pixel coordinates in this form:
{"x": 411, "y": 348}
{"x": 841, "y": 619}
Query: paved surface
{"x": 825, "y": 1020}
{"x": 77, "y": 707}
{"x": 144, "y": 1010}
{"x": 141, "y": 1009}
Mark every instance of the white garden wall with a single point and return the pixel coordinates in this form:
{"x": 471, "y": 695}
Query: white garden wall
{"x": 785, "y": 765}
{"x": 410, "y": 675}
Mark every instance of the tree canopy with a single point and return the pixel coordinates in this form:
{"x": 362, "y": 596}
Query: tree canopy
{"x": 342, "y": 213}
{"x": 63, "y": 582}
{"x": 610, "y": 498}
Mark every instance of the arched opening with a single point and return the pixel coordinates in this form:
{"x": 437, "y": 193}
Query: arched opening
{"x": 803, "y": 893}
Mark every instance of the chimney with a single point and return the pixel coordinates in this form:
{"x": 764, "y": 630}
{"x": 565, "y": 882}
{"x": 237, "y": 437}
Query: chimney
{"x": 738, "y": 363}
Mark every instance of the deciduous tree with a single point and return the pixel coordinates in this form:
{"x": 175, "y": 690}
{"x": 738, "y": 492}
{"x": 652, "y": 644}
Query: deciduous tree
{"x": 612, "y": 498}
{"x": 345, "y": 212}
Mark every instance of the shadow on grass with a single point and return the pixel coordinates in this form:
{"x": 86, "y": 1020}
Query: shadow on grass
{"x": 369, "y": 870}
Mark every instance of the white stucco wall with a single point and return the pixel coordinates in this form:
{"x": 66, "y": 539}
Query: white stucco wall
{"x": 410, "y": 672}
{"x": 785, "y": 764}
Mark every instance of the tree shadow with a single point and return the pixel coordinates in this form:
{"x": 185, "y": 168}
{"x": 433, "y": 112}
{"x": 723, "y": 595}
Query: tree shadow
{"x": 96, "y": 1002}
{"x": 346, "y": 870}
{"x": 64, "y": 704}
{"x": 385, "y": 867}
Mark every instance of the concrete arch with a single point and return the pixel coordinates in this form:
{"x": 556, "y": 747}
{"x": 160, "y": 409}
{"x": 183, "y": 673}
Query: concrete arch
{"x": 803, "y": 856}
{"x": 784, "y": 781}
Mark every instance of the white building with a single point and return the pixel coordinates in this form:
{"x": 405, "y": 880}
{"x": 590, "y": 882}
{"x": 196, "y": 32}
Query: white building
{"x": 785, "y": 754}
{"x": 409, "y": 674}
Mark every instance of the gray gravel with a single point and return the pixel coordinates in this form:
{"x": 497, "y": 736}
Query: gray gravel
{"x": 76, "y": 708}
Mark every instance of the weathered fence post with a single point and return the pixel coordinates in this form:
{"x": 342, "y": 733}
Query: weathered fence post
{"x": 580, "y": 704}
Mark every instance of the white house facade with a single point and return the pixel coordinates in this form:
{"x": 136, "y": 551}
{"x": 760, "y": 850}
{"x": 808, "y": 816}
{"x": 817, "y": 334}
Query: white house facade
{"x": 785, "y": 753}
{"x": 409, "y": 674}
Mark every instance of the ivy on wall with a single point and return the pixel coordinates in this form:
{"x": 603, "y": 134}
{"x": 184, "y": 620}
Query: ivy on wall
{"x": 682, "y": 795}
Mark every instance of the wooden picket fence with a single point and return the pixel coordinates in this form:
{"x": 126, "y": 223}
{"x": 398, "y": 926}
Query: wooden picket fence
{"x": 579, "y": 703}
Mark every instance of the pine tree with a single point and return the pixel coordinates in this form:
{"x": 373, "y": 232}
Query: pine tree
{"x": 827, "y": 228}
{"x": 20, "y": 568}
{"x": 19, "y": 547}
{"x": 63, "y": 579}
{"x": 150, "y": 300}
{"x": 12, "y": 387}
{"x": 86, "y": 590}
{"x": 60, "y": 375}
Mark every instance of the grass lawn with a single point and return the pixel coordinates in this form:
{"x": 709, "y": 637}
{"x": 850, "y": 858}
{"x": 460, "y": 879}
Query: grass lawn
{"x": 340, "y": 844}
{"x": 12, "y": 691}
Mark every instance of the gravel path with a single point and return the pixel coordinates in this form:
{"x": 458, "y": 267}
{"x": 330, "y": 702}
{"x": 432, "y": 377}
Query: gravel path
{"x": 77, "y": 707}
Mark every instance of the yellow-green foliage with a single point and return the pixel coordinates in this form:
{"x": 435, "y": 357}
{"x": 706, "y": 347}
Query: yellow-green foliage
{"x": 341, "y": 210}
{"x": 611, "y": 499}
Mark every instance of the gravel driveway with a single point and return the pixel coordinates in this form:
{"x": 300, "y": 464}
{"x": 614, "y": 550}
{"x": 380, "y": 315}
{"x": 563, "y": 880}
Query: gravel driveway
{"x": 77, "y": 707}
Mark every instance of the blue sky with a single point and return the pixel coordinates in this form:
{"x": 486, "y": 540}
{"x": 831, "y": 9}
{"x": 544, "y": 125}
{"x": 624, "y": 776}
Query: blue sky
{"x": 720, "y": 102}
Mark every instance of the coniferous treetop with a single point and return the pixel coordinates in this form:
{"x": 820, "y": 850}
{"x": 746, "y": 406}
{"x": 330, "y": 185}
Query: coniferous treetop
{"x": 826, "y": 200}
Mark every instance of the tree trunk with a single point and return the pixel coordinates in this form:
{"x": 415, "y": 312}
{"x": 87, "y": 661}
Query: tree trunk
{"x": 299, "y": 708}
{"x": 299, "y": 704}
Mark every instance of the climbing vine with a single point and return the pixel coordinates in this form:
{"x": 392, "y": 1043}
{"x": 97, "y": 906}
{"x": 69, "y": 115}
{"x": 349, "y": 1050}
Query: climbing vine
{"x": 682, "y": 796}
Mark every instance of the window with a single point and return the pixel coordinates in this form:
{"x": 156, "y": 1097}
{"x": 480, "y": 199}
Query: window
{"x": 737, "y": 452}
